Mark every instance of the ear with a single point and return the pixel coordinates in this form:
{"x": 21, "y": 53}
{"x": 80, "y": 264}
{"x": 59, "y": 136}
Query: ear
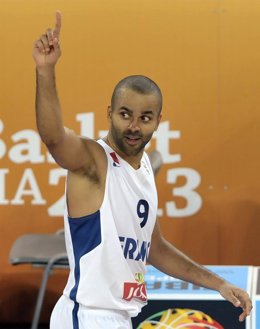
{"x": 158, "y": 121}
{"x": 109, "y": 112}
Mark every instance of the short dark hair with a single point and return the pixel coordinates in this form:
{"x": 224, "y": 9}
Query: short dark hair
{"x": 140, "y": 84}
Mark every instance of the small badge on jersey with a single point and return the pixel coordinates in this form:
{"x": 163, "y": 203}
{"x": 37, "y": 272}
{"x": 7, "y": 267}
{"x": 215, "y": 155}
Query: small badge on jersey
{"x": 135, "y": 290}
{"x": 116, "y": 162}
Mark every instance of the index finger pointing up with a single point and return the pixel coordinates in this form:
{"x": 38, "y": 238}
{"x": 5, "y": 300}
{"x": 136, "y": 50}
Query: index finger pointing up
{"x": 56, "y": 31}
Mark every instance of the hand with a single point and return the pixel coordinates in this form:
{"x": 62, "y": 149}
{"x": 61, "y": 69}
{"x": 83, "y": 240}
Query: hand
{"x": 46, "y": 51}
{"x": 238, "y": 297}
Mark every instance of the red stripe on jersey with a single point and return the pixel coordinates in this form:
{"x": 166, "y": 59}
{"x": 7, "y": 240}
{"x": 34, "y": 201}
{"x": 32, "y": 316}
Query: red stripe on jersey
{"x": 114, "y": 157}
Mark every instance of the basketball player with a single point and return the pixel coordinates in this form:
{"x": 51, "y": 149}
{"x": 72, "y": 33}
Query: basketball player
{"x": 110, "y": 218}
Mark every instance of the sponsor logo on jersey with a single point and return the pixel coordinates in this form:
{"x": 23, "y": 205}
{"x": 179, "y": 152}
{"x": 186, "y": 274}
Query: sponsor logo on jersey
{"x": 134, "y": 249}
{"x": 135, "y": 290}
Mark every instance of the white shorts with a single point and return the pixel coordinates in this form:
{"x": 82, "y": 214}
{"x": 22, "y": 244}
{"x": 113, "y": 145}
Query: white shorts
{"x": 64, "y": 316}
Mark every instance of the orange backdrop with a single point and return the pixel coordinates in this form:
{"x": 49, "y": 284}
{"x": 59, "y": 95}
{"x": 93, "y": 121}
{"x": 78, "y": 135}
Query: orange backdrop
{"x": 204, "y": 54}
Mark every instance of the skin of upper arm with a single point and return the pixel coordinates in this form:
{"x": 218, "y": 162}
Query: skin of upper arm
{"x": 170, "y": 260}
{"x": 76, "y": 153}
{"x": 166, "y": 257}
{"x": 157, "y": 243}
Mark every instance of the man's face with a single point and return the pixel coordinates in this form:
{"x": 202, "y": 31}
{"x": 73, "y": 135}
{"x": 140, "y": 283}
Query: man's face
{"x": 134, "y": 119}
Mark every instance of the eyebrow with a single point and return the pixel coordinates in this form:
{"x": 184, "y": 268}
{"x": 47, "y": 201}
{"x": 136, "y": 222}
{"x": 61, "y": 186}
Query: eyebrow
{"x": 131, "y": 111}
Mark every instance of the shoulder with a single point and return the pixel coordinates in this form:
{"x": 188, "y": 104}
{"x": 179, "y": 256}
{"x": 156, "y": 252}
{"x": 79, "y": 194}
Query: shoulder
{"x": 95, "y": 169}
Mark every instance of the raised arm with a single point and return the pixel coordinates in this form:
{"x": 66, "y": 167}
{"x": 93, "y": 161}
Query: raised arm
{"x": 173, "y": 262}
{"x": 69, "y": 150}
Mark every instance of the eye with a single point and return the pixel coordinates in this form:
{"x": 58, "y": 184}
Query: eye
{"x": 146, "y": 118}
{"x": 125, "y": 115}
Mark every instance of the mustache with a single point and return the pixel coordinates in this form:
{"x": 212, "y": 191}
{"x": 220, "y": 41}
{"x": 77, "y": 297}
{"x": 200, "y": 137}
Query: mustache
{"x": 131, "y": 135}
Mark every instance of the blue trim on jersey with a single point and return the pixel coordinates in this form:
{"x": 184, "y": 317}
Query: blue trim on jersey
{"x": 85, "y": 236}
{"x": 75, "y": 319}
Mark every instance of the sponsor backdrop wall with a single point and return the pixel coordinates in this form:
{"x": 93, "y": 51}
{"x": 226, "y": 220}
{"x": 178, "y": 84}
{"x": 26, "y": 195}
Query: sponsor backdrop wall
{"x": 204, "y": 54}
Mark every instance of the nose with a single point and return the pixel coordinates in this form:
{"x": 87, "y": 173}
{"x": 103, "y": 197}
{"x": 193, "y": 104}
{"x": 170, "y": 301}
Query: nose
{"x": 133, "y": 126}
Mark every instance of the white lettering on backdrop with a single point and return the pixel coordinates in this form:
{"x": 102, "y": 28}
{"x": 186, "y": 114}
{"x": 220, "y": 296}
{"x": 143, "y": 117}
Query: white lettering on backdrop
{"x": 26, "y": 148}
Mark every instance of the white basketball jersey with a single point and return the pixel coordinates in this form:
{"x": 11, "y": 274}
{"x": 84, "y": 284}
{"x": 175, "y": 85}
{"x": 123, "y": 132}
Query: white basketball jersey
{"x": 108, "y": 249}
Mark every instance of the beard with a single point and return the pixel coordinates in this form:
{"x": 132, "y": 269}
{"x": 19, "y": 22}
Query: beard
{"x": 120, "y": 140}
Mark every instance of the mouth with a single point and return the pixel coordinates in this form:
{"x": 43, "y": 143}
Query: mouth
{"x": 132, "y": 140}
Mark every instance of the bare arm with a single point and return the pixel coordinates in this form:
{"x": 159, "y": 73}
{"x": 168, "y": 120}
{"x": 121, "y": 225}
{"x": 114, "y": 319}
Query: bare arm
{"x": 46, "y": 53}
{"x": 69, "y": 150}
{"x": 173, "y": 262}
